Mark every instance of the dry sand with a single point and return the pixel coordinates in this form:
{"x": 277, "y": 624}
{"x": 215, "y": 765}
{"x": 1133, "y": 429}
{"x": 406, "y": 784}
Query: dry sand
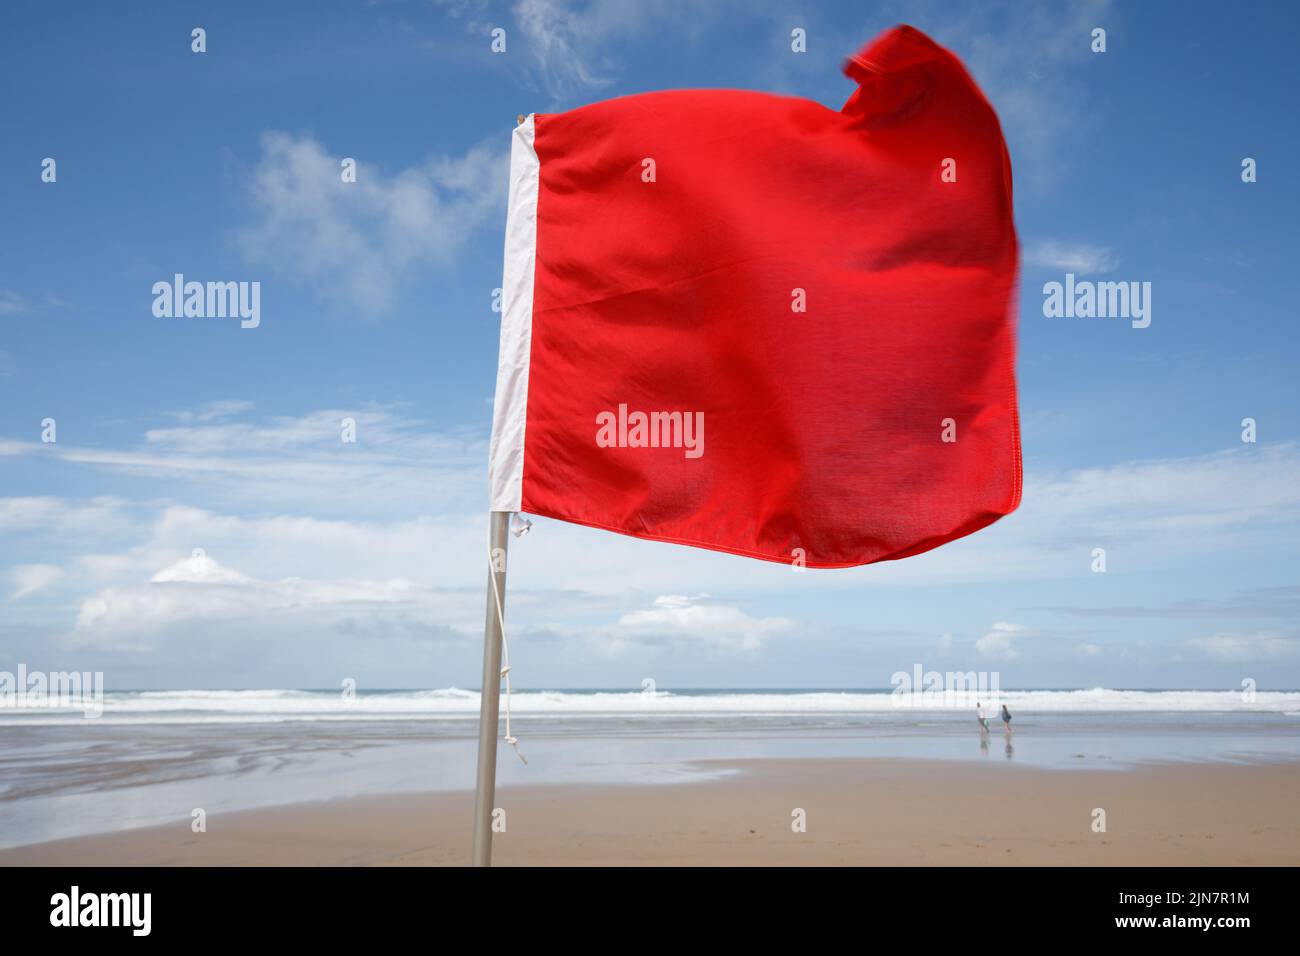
{"x": 897, "y": 812}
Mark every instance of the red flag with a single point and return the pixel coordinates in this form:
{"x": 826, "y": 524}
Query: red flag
{"x": 750, "y": 323}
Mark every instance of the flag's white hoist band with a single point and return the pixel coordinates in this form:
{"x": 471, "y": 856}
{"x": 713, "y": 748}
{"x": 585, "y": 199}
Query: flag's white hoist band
{"x": 510, "y": 401}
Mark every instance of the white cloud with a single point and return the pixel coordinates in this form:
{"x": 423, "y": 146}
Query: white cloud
{"x": 553, "y": 31}
{"x": 49, "y": 514}
{"x": 359, "y": 241}
{"x": 1030, "y": 58}
{"x": 396, "y": 459}
{"x": 1079, "y": 258}
{"x": 1152, "y": 512}
{"x": 999, "y": 641}
{"x": 198, "y": 568}
{"x": 1169, "y": 497}
{"x": 213, "y": 411}
{"x": 400, "y": 588}
{"x": 11, "y": 303}
{"x": 378, "y": 428}
{"x": 1157, "y": 512}
{"x": 1256, "y": 645}
{"x": 282, "y": 575}
{"x": 675, "y": 617}
{"x": 406, "y": 502}
{"x": 200, "y": 589}
{"x": 30, "y": 578}
{"x": 567, "y": 40}
{"x": 282, "y": 546}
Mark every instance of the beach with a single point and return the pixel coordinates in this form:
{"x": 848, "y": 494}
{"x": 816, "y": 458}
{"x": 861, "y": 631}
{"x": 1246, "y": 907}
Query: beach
{"x": 857, "y": 812}
{"x": 698, "y": 777}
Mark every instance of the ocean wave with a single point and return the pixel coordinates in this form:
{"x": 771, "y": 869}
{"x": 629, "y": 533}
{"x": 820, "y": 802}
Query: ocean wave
{"x": 452, "y": 703}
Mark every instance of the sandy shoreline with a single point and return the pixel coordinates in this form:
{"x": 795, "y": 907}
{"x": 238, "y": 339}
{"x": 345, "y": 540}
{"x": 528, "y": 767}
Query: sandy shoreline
{"x": 893, "y": 812}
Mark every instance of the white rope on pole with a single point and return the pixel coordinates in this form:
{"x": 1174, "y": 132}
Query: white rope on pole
{"x": 505, "y": 655}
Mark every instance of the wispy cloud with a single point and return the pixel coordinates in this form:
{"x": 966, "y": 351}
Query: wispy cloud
{"x": 213, "y": 411}
{"x": 56, "y": 515}
{"x": 28, "y": 579}
{"x": 284, "y": 573}
{"x": 11, "y": 303}
{"x": 1250, "y": 646}
{"x": 358, "y": 242}
{"x": 396, "y": 462}
{"x": 1148, "y": 513}
{"x": 1256, "y": 602}
{"x": 1080, "y": 258}
{"x": 555, "y": 32}
{"x": 571, "y": 43}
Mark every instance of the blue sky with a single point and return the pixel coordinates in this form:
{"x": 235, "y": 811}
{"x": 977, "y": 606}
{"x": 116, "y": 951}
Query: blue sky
{"x": 324, "y": 560}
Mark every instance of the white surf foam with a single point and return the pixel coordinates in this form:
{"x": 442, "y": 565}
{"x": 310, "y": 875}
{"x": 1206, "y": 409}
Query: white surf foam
{"x": 256, "y": 706}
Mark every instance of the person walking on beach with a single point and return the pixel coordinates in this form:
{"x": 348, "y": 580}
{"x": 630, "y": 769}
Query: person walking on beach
{"x": 1006, "y": 719}
{"x": 984, "y": 721}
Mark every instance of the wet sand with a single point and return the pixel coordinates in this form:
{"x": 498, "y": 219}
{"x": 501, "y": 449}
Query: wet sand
{"x": 894, "y": 812}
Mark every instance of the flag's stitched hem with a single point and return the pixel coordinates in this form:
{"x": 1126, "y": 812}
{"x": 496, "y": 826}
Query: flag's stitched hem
{"x": 528, "y": 508}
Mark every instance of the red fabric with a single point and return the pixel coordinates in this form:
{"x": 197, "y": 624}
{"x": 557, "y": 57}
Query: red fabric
{"x": 822, "y": 429}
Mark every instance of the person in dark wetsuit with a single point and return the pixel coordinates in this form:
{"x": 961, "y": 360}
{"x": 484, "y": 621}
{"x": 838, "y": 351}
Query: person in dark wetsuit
{"x": 1006, "y": 719}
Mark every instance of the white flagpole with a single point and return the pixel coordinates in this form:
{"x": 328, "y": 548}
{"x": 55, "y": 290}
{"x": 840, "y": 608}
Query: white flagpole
{"x": 490, "y": 703}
